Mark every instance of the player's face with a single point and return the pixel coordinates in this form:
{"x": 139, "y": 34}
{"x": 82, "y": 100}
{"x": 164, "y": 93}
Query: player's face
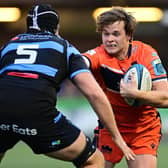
{"x": 115, "y": 39}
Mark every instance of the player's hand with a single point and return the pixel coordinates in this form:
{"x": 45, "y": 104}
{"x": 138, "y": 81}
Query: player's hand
{"x": 128, "y": 153}
{"x": 128, "y": 89}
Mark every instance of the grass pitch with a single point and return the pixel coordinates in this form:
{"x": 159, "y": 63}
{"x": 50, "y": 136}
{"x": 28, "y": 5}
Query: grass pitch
{"x": 22, "y": 157}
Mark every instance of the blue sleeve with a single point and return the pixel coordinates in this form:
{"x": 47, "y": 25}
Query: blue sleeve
{"x": 76, "y": 63}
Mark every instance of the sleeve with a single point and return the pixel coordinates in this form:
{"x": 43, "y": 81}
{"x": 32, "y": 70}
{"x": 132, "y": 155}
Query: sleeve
{"x": 153, "y": 62}
{"x": 93, "y": 59}
{"x": 76, "y": 63}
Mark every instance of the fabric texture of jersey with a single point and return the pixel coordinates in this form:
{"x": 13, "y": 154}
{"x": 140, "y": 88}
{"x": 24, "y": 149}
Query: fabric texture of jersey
{"x": 32, "y": 68}
{"x": 108, "y": 71}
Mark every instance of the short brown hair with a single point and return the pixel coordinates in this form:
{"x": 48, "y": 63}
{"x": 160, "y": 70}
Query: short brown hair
{"x": 116, "y": 14}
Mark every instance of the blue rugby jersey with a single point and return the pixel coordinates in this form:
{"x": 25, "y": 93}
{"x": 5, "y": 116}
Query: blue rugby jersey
{"x": 45, "y": 54}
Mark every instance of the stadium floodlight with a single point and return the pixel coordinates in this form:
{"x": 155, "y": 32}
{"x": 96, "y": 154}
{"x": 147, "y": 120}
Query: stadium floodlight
{"x": 164, "y": 20}
{"x": 9, "y": 14}
{"x": 142, "y": 14}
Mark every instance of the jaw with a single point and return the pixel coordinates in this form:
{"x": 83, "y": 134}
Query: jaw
{"x": 111, "y": 50}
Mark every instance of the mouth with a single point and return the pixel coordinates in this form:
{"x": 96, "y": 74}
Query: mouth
{"x": 111, "y": 45}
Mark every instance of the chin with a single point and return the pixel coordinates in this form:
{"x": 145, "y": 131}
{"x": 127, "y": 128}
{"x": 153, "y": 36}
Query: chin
{"x": 111, "y": 51}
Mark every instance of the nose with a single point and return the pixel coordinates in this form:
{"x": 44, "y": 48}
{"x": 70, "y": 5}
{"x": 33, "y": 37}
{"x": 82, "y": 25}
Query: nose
{"x": 110, "y": 38}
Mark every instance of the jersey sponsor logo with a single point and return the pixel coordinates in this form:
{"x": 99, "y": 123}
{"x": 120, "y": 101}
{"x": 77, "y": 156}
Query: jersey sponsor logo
{"x": 25, "y": 37}
{"x": 18, "y": 130}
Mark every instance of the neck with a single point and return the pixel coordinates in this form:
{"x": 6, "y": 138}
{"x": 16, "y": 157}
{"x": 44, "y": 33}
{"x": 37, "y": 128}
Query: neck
{"x": 125, "y": 53}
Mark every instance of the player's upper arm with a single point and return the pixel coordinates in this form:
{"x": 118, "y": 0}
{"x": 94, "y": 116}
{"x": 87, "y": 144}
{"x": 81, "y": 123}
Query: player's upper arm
{"x": 87, "y": 84}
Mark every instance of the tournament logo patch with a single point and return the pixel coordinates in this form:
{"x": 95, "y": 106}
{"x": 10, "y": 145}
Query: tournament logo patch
{"x": 154, "y": 54}
{"x": 158, "y": 67}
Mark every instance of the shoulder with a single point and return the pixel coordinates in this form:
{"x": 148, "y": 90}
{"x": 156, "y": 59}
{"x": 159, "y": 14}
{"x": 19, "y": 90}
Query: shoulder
{"x": 95, "y": 51}
{"x": 142, "y": 49}
{"x": 149, "y": 57}
{"x": 94, "y": 55}
{"x": 143, "y": 46}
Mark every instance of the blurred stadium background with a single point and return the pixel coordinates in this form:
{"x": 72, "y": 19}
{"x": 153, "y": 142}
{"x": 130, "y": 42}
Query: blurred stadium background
{"x": 78, "y": 26}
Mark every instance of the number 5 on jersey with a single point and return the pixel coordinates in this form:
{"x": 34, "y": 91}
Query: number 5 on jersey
{"x": 23, "y": 50}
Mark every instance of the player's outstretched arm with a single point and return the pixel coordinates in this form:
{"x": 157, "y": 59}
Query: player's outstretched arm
{"x": 98, "y": 100}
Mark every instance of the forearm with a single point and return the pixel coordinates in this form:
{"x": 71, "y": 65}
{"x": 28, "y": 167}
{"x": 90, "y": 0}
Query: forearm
{"x": 104, "y": 111}
{"x": 155, "y": 98}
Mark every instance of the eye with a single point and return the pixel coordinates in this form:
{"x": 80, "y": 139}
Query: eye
{"x": 105, "y": 33}
{"x": 116, "y": 33}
